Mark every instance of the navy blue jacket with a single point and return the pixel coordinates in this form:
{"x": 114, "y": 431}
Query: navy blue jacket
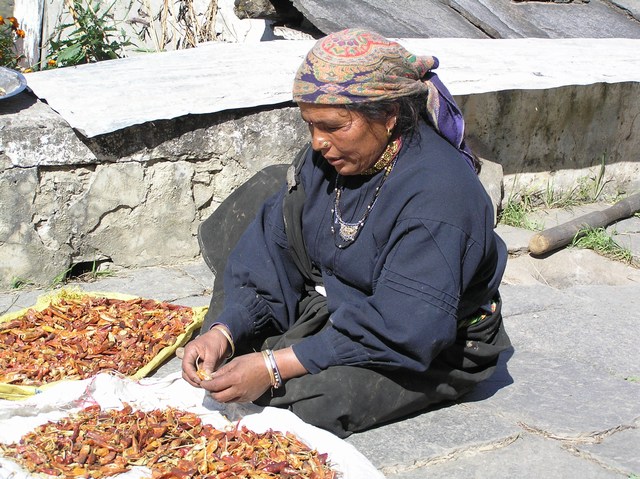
{"x": 426, "y": 257}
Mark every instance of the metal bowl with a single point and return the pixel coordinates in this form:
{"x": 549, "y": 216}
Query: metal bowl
{"x": 11, "y": 82}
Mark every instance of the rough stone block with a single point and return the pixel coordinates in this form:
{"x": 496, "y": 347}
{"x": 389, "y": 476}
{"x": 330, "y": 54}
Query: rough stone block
{"x": 137, "y": 197}
{"x": 491, "y": 178}
{"x": 552, "y": 138}
{"x": 619, "y": 450}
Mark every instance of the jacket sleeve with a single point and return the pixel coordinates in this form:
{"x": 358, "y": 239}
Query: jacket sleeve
{"x": 261, "y": 283}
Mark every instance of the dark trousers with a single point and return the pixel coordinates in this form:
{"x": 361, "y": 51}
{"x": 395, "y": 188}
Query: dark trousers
{"x": 346, "y": 399}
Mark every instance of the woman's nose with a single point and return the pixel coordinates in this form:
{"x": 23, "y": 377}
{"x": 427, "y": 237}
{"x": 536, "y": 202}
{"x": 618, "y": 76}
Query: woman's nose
{"x": 319, "y": 142}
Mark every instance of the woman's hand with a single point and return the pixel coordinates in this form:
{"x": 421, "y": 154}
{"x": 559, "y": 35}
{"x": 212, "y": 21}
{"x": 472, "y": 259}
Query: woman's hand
{"x": 205, "y": 353}
{"x": 244, "y": 379}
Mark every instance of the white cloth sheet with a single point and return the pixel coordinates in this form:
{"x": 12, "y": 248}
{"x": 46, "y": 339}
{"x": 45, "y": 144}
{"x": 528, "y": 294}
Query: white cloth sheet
{"x": 109, "y": 391}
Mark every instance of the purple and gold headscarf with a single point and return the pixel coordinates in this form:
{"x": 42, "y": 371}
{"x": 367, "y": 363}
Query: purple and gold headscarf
{"x": 356, "y": 65}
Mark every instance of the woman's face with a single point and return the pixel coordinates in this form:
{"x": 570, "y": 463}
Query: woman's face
{"x": 347, "y": 140}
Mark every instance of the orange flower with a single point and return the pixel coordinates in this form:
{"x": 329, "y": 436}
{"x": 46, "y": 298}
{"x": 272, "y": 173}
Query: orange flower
{"x": 20, "y": 33}
{"x": 1, "y": 19}
{"x": 51, "y": 63}
{"x": 14, "y": 22}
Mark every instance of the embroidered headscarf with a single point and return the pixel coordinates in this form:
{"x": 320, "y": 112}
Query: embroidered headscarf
{"x": 356, "y": 65}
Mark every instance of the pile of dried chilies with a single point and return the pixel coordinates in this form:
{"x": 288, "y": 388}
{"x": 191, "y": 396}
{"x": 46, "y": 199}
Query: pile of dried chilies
{"x": 77, "y": 337}
{"x": 172, "y": 443}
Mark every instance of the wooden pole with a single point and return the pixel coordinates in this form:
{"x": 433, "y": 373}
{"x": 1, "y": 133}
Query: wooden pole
{"x": 561, "y": 235}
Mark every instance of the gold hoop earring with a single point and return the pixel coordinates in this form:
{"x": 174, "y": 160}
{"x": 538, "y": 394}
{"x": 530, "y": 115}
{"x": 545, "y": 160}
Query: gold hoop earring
{"x": 391, "y": 128}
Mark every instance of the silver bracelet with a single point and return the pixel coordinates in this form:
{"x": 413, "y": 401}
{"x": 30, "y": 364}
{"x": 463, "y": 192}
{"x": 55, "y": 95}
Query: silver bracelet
{"x": 277, "y": 377}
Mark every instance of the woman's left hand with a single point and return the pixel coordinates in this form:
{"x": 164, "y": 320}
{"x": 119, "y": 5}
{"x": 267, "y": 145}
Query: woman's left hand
{"x": 244, "y": 379}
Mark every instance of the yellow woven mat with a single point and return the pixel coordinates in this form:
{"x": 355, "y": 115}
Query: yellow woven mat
{"x": 16, "y": 392}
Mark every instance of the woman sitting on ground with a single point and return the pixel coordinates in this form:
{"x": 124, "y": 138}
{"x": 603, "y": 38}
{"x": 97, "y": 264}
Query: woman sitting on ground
{"x": 367, "y": 288}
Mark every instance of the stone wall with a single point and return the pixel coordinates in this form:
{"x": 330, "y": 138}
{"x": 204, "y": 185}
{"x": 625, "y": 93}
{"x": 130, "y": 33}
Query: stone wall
{"x": 554, "y": 137}
{"x": 136, "y": 197}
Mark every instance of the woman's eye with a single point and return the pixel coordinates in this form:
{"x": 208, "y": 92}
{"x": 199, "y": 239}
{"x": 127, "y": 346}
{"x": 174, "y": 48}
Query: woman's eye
{"x": 323, "y": 128}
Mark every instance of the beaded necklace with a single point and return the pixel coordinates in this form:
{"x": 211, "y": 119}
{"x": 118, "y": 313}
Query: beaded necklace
{"x": 348, "y": 232}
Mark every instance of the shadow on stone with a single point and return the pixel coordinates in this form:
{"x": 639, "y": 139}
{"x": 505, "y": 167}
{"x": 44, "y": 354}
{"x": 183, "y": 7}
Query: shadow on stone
{"x": 16, "y": 104}
{"x": 500, "y": 379}
{"x": 150, "y": 135}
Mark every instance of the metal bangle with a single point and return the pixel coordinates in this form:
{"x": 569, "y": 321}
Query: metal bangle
{"x": 277, "y": 383}
{"x": 229, "y": 339}
{"x": 267, "y": 363}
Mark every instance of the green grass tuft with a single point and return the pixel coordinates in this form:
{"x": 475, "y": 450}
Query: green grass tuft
{"x": 598, "y": 240}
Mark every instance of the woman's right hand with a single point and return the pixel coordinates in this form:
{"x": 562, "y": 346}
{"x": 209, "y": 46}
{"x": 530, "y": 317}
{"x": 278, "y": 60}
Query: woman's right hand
{"x": 205, "y": 354}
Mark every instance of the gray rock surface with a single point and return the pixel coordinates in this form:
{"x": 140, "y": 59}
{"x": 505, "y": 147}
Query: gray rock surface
{"x": 478, "y": 18}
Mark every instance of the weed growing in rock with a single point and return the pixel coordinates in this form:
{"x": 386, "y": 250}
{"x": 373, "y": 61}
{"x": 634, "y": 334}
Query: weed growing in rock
{"x": 59, "y": 279}
{"x": 598, "y": 240}
{"x": 516, "y": 210}
{"x": 588, "y": 189}
{"x": 82, "y": 272}
{"x": 19, "y": 283}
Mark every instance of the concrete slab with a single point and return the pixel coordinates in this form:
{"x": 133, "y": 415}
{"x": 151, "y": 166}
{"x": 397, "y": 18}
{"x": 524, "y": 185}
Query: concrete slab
{"x": 18, "y": 299}
{"x": 517, "y": 239}
{"x": 572, "y": 323}
{"x": 189, "y": 284}
{"x": 553, "y": 395}
{"x": 436, "y": 434}
{"x": 563, "y": 403}
{"x": 234, "y": 76}
{"x": 550, "y": 217}
{"x": 529, "y": 456}
{"x": 619, "y": 450}
{"x": 568, "y": 267}
{"x": 162, "y": 283}
{"x": 626, "y": 233}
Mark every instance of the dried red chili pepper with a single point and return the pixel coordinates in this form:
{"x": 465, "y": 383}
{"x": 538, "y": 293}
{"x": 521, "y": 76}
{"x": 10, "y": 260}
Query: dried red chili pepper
{"x": 75, "y": 338}
{"x": 97, "y": 448}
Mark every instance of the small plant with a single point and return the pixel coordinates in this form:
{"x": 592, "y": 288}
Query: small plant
{"x": 590, "y": 188}
{"x": 18, "y": 283}
{"x": 10, "y": 31}
{"x": 95, "y": 273}
{"x": 515, "y": 213}
{"x": 598, "y": 240}
{"x": 93, "y": 37}
{"x": 60, "y": 279}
